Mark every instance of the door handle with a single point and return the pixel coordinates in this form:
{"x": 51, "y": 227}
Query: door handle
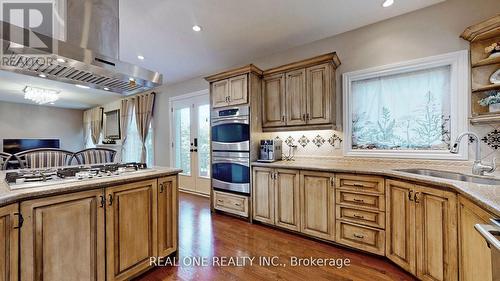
{"x": 103, "y": 201}
{"x": 417, "y": 200}
{"x": 195, "y": 142}
{"x": 410, "y": 194}
{"x": 20, "y": 220}
{"x": 161, "y": 187}
{"x": 110, "y": 199}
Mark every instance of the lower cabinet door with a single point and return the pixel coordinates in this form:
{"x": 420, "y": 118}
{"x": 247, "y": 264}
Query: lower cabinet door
{"x": 436, "y": 228}
{"x": 263, "y": 195}
{"x": 400, "y": 225}
{"x": 9, "y": 243}
{"x": 131, "y": 233}
{"x": 287, "y": 199}
{"x": 317, "y": 204}
{"x": 168, "y": 211}
{"x": 63, "y": 237}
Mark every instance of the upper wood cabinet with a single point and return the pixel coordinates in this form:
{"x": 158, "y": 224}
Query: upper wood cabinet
{"x": 232, "y": 87}
{"x": 9, "y": 243}
{"x": 475, "y": 255}
{"x": 168, "y": 210}
{"x": 317, "y": 204}
{"x": 308, "y": 96}
{"x": 274, "y": 103}
{"x": 60, "y": 231}
{"x": 422, "y": 230}
{"x": 131, "y": 229}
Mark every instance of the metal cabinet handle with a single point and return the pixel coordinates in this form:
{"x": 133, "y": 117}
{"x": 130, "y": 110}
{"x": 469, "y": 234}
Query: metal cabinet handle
{"x": 358, "y": 216}
{"x": 358, "y": 185}
{"x": 237, "y": 204}
{"x": 103, "y": 201}
{"x": 282, "y": 118}
{"x": 417, "y": 200}
{"x": 358, "y": 236}
{"x": 359, "y": 200}
{"x": 20, "y": 220}
{"x": 220, "y": 200}
{"x": 228, "y": 98}
{"x": 161, "y": 187}
{"x": 410, "y": 194}
{"x": 110, "y": 199}
{"x": 308, "y": 116}
{"x": 303, "y": 117}
{"x": 332, "y": 181}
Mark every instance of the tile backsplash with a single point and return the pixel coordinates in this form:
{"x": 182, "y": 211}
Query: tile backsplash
{"x": 329, "y": 143}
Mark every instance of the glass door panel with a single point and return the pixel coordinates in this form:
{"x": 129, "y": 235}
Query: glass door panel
{"x": 182, "y": 145}
{"x": 204, "y": 140}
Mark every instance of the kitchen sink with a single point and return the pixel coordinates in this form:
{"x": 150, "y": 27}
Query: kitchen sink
{"x": 451, "y": 176}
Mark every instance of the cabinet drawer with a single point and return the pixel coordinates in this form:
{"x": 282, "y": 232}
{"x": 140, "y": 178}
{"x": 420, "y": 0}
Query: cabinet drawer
{"x": 359, "y": 199}
{"x": 360, "y": 183}
{"x": 365, "y": 217}
{"x": 361, "y": 237}
{"x": 231, "y": 203}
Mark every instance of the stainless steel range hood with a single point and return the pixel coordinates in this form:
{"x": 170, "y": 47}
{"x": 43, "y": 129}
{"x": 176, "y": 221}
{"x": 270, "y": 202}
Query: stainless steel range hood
{"x": 88, "y": 57}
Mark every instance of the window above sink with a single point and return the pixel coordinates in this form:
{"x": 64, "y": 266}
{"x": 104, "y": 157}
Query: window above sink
{"x": 412, "y": 109}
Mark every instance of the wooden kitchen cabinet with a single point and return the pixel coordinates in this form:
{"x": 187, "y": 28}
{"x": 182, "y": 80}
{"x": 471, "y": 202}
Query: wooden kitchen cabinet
{"x": 131, "y": 229}
{"x": 9, "y": 241}
{"x": 317, "y": 204}
{"x": 422, "y": 230}
{"x": 263, "y": 195}
{"x": 220, "y": 92}
{"x": 296, "y": 106}
{"x": 474, "y": 253}
{"x": 63, "y": 237}
{"x": 231, "y": 91}
{"x": 287, "y": 203}
{"x": 319, "y": 88}
{"x": 273, "y": 101}
{"x": 168, "y": 210}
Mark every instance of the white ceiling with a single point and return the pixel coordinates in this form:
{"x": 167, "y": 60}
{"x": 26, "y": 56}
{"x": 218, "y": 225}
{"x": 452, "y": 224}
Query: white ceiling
{"x": 236, "y": 31}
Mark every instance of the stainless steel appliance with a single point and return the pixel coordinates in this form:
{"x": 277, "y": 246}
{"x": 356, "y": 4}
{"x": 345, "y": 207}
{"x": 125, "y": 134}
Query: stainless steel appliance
{"x": 270, "y": 150}
{"x": 231, "y": 171}
{"x": 231, "y": 129}
{"x": 491, "y": 233}
{"x": 88, "y": 56}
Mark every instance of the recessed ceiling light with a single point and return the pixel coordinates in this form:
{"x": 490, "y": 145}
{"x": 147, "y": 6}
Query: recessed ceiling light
{"x": 60, "y": 60}
{"x": 196, "y": 28}
{"x": 106, "y": 89}
{"x": 387, "y": 3}
{"x": 82, "y": 86}
{"x": 140, "y": 57}
{"x": 42, "y": 75}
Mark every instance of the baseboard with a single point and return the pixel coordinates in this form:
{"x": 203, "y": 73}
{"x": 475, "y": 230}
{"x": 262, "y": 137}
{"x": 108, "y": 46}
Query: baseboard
{"x": 194, "y": 193}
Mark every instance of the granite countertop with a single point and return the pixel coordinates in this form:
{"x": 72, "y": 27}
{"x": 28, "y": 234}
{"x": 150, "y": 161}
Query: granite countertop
{"x": 8, "y": 196}
{"x": 486, "y": 196}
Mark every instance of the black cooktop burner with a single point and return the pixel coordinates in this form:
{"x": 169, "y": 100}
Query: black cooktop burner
{"x": 94, "y": 170}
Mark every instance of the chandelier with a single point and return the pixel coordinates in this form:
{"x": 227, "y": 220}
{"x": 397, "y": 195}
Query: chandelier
{"x": 40, "y": 95}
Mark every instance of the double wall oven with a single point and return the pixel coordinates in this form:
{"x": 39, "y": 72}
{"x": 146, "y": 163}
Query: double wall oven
{"x": 231, "y": 149}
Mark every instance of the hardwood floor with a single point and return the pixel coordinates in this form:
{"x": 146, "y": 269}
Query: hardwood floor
{"x": 214, "y": 235}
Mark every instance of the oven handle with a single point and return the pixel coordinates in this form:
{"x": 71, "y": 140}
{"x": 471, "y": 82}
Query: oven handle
{"x": 230, "y": 121}
{"x": 485, "y": 231}
{"x": 245, "y": 163}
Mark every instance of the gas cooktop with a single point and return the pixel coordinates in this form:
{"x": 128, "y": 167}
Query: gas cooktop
{"x": 41, "y": 177}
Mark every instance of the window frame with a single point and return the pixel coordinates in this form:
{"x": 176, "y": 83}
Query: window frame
{"x": 459, "y": 84}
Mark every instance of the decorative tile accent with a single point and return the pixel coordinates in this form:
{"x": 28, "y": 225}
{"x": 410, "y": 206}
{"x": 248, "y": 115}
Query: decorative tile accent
{"x": 492, "y": 139}
{"x": 289, "y": 141}
{"x": 277, "y": 138}
{"x": 333, "y": 139}
{"x": 318, "y": 141}
{"x": 303, "y": 141}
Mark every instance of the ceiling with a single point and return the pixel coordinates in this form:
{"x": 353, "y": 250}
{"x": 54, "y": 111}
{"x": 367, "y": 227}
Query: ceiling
{"x": 234, "y": 32}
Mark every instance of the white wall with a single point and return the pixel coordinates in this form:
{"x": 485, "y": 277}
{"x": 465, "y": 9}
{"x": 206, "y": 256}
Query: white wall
{"x": 33, "y": 121}
{"x": 430, "y": 31}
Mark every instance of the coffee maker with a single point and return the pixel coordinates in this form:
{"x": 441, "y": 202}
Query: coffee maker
{"x": 270, "y": 150}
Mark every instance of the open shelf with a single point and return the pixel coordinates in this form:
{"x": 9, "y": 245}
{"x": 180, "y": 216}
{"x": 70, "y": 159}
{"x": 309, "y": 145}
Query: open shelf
{"x": 486, "y": 88}
{"x": 488, "y": 61}
{"x": 485, "y": 119}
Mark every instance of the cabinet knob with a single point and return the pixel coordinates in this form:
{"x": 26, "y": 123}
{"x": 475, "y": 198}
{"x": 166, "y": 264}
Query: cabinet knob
{"x": 359, "y": 236}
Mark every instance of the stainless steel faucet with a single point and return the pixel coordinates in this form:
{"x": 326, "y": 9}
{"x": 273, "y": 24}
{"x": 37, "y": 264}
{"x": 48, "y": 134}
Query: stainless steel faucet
{"x": 478, "y": 168}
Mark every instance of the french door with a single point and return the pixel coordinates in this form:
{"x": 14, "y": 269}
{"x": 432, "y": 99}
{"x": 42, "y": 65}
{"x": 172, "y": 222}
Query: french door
{"x": 191, "y": 142}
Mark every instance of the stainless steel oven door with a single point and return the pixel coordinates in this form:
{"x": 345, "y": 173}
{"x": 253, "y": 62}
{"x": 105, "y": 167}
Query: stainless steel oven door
{"x": 231, "y": 133}
{"x": 231, "y": 171}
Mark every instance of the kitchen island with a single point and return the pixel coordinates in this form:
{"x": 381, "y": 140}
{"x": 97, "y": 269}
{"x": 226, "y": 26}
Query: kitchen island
{"x": 105, "y": 228}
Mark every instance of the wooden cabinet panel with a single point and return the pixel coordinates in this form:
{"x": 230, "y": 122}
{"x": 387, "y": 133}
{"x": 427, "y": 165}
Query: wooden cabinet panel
{"x": 9, "y": 243}
{"x": 273, "y": 101}
{"x": 361, "y": 237}
{"x": 168, "y": 211}
{"x": 475, "y": 255}
{"x": 436, "y": 226}
{"x": 400, "y": 225}
{"x": 316, "y": 202}
{"x": 131, "y": 234}
{"x": 359, "y": 199}
{"x": 73, "y": 252}
{"x": 287, "y": 202}
{"x": 220, "y": 93}
{"x": 353, "y": 182}
{"x": 231, "y": 203}
{"x": 263, "y": 195}
{"x": 361, "y": 216}
{"x": 319, "y": 94}
{"x": 238, "y": 90}
{"x": 296, "y": 108}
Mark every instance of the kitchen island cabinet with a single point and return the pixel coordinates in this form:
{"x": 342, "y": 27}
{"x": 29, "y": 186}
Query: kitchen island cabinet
{"x": 9, "y": 241}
